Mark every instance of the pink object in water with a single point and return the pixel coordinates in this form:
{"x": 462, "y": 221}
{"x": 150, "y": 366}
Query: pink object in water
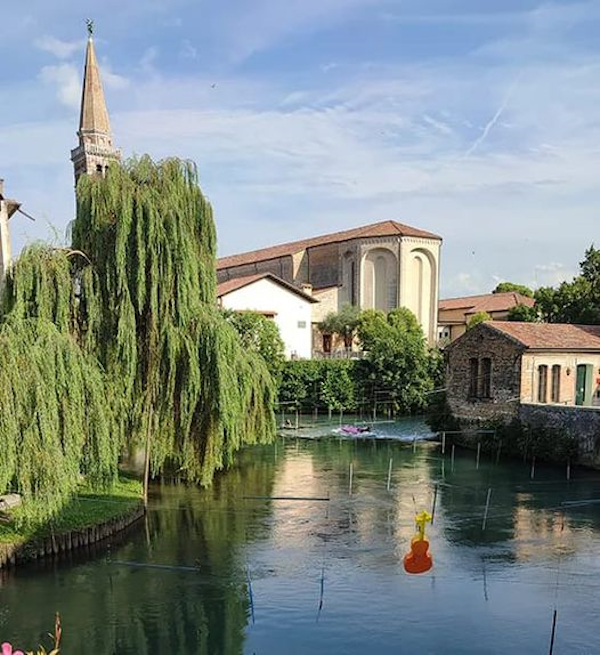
{"x": 7, "y": 649}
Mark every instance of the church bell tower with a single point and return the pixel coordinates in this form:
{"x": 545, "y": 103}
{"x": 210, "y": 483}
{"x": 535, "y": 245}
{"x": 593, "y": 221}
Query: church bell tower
{"x": 95, "y": 151}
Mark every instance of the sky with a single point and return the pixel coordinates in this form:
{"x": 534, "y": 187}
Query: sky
{"x": 478, "y": 121}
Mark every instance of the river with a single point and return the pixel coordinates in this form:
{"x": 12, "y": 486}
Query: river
{"x": 299, "y": 549}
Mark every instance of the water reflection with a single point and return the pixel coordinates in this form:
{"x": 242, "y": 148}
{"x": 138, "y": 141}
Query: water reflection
{"x": 323, "y": 559}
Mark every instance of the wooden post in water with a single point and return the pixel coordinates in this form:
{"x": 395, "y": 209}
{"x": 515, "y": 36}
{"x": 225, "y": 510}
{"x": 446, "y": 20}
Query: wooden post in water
{"x": 414, "y": 445}
{"x": 452, "y": 458}
{"x": 478, "y": 454}
{"x": 435, "y": 492}
{"x": 487, "y": 507}
{"x": 568, "y": 469}
{"x": 553, "y": 633}
{"x": 389, "y": 479}
{"x": 532, "y": 474}
{"x": 297, "y": 422}
{"x": 351, "y": 475}
{"x": 443, "y": 443}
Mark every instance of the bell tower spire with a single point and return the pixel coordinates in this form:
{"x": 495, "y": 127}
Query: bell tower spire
{"x": 95, "y": 151}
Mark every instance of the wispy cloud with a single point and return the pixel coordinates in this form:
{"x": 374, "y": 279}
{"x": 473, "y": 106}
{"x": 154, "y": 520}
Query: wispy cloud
{"x": 65, "y": 78}
{"x": 60, "y": 49}
{"x": 492, "y": 122}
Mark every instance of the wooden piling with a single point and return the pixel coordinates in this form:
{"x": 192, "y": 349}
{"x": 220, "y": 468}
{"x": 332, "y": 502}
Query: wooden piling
{"x": 478, "y": 455}
{"x": 553, "y": 633}
{"x": 389, "y": 478}
{"x": 532, "y": 474}
{"x": 443, "y": 443}
{"x": 452, "y": 458}
{"x": 351, "y": 476}
{"x": 487, "y": 507}
{"x": 435, "y": 493}
{"x": 568, "y": 469}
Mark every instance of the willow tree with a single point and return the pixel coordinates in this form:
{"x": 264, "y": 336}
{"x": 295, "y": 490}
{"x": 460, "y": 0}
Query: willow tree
{"x": 135, "y": 298}
{"x": 178, "y": 375}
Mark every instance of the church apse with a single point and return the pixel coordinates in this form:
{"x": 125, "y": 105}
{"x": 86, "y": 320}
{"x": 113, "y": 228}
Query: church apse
{"x": 420, "y": 293}
{"x": 379, "y": 280}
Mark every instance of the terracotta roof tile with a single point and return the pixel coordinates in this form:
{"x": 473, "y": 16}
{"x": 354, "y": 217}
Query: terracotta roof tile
{"x": 382, "y": 229}
{"x": 550, "y": 336}
{"x": 489, "y": 302}
{"x": 239, "y": 282}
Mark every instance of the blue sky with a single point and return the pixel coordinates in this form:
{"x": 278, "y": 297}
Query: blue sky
{"x": 478, "y": 121}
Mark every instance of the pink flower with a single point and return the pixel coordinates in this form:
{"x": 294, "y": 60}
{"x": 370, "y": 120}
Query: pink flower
{"x": 7, "y": 649}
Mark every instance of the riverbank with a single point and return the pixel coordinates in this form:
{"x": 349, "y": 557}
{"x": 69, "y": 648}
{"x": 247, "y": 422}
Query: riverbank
{"x": 86, "y": 519}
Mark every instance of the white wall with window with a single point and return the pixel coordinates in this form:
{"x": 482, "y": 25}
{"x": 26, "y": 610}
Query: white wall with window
{"x": 290, "y": 309}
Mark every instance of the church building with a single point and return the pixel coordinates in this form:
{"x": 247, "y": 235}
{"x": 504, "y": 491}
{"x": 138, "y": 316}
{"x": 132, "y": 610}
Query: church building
{"x": 380, "y": 266}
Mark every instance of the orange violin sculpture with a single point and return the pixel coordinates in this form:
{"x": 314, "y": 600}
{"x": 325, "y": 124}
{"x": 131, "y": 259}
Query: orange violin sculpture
{"x": 419, "y": 560}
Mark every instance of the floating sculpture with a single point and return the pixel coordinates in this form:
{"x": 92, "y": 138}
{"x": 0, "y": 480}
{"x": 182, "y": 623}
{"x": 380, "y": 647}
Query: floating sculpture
{"x": 419, "y": 560}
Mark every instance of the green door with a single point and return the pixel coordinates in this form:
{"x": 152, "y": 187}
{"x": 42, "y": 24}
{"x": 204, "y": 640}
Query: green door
{"x": 580, "y": 384}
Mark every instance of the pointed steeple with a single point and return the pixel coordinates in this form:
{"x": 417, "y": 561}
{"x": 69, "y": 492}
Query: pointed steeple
{"x": 95, "y": 150}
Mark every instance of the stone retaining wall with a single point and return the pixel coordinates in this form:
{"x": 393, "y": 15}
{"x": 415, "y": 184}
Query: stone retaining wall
{"x": 53, "y": 545}
{"x": 582, "y": 422}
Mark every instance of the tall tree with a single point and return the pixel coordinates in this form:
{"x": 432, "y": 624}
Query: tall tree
{"x": 398, "y": 361}
{"x": 503, "y": 287}
{"x": 577, "y": 301}
{"x": 137, "y": 297}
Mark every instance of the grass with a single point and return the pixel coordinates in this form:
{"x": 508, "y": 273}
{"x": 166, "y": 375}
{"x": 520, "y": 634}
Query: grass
{"x": 86, "y": 509}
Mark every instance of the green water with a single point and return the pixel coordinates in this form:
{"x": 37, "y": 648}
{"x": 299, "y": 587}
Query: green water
{"x": 232, "y": 570}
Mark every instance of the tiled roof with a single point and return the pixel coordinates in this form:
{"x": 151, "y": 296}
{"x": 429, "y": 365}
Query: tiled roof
{"x": 383, "y": 229}
{"x": 550, "y": 336}
{"x": 238, "y": 283}
{"x": 489, "y": 302}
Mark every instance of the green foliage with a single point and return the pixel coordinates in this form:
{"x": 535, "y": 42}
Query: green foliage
{"x": 120, "y": 340}
{"x": 343, "y": 323}
{"x": 259, "y": 334}
{"x": 503, "y": 287}
{"x": 54, "y": 423}
{"x": 319, "y": 383}
{"x": 398, "y": 362}
{"x": 477, "y": 318}
{"x": 523, "y": 313}
{"x": 577, "y": 301}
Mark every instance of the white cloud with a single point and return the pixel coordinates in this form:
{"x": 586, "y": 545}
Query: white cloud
{"x": 66, "y": 80}
{"x": 60, "y": 49}
{"x": 187, "y": 50}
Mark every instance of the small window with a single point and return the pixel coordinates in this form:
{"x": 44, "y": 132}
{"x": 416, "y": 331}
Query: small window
{"x": 486, "y": 377}
{"x": 556, "y": 383}
{"x": 542, "y": 384}
{"x": 301, "y": 324}
{"x": 473, "y": 376}
{"x": 98, "y": 168}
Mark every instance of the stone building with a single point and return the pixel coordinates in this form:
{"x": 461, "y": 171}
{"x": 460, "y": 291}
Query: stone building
{"x": 454, "y": 314}
{"x": 497, "y": 367}
{"x": 95, "y": 151}
{"x": 380, "y": 266}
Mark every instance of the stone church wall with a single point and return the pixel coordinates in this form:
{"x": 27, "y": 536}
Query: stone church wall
{"x": 324, "y": 266}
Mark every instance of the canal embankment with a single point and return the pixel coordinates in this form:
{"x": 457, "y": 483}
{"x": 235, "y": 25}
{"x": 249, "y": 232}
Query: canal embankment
{"x": 87, "y": 519}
